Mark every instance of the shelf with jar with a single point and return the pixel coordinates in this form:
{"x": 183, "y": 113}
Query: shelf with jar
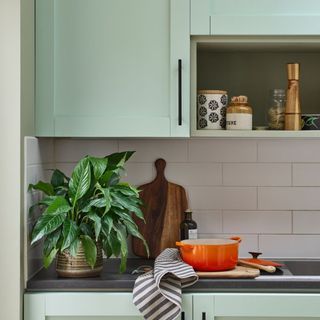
{"x": 256, "y": 71}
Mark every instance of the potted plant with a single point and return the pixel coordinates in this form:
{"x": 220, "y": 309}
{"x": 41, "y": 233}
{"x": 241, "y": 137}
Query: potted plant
{"x": 85, "y": 214}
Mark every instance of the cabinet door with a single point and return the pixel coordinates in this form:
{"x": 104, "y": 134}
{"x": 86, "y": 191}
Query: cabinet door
{"x": 88, "y": 306}
{"x": 203, "y": 307}
{"x": 110, "y": 68}
{"x": 252, "y": 17}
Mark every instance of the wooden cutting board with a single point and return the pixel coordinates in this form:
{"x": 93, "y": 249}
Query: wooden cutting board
{"x": 164, "y": 206}
{"x": 237, "y": 272}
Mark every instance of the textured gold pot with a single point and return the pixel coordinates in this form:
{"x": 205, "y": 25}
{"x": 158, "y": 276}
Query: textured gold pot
{"x": 77, "y": 267}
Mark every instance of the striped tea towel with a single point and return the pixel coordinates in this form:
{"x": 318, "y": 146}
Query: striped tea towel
{"x": 157, "y": 293}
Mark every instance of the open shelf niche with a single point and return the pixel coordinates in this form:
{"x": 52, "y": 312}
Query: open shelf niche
{"x": 253, "y": 67}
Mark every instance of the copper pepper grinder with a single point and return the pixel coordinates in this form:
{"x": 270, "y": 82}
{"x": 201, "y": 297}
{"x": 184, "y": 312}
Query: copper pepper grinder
{"x": 293, "y": 110}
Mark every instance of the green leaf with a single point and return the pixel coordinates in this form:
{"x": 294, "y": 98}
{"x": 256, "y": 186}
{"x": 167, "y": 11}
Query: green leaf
{"x": 127, "y": 203}
{"x": 51, "y": 241}
{"x": 45, "y": 187}
{"x": 97, "y": 223}
{"x": 74, "y": 247}
{"x": 47, "y": 200}
{"x": 46, "y": 224}
{"x": 110, "y": 178}
{"x": 58, "y": 205}
{"x": 80, "y": 181}
{"x": 133, "y": 230}
{"x": 114, "y": 243}
{"x": 118, "y": 159}
{"x": 107, "y": 248}
{"x": 123, "y": 215}
{"x": 47, "y": 259}
{"x": 58, "y": 178}
{"x": 90, "y": 250}
{"x": 137, "y": 211}
{"x": 121, "y": 235}
{"x": 86, "y": 230}
{"x": 69, "y": 232}
{"x": 107, "y": 224}
{"x": 98, "y": 203}
{"x": 107, "y": 198}
{"x": 126, "y": 190}
{"x": 99, "y": 166}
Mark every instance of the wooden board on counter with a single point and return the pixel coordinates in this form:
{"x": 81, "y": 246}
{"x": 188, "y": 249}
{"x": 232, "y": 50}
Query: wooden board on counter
{"x": 236, "y": 273}
{"x": 164, "y": 205}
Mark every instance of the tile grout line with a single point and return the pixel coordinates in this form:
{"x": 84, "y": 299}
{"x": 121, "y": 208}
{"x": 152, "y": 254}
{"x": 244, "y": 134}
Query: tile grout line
{"x": 291, "y": 174}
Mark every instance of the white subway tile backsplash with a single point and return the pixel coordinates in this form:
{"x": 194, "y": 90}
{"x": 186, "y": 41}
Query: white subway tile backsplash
{"x": 150, "y": 150}
{"x": 208, "y": 221}
{"x": 72, "y": 150}
{"x": 306, "y": 174}
{"x": 194, "y": 174}
{"x": 38, "y": 150}
{"x": 249, "y": 242}
{"x": 290, "y": 246}
{"x": 256, "y": 174}
{"x": 222, "y": 150}
{"x": 235, "y": 187}
{"x": 257, "y": 221}
{"x": 288, "y": 198}
{"x": 306, "y": 222}
{"x": 289, "y": 150}
{"x": 240, "y": 198}
{"x": 139, "y": 173}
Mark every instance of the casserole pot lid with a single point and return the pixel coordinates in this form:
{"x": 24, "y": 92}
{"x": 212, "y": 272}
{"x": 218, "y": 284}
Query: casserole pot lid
{"x": 210, "y": 242}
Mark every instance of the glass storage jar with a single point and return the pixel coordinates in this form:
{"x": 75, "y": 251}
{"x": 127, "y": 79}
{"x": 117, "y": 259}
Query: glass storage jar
{"x": 277, "y": 109}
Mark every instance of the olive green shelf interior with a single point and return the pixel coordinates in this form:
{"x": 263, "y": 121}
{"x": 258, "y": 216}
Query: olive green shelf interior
{"x": 253, "y": 66}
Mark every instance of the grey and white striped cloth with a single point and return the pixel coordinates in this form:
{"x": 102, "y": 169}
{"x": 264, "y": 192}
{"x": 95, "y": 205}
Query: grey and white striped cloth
{"x": 157, "y": 294}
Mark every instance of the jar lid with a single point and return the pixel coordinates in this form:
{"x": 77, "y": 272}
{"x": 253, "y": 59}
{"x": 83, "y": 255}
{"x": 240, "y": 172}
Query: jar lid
{"x": 278, "y": 92}
{"x": 212, "y": 92}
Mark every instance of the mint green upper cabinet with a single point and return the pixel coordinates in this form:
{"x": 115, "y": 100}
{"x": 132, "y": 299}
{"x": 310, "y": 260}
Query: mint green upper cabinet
{"x": 110, "y": 68}
{"x": 255, "y": 17}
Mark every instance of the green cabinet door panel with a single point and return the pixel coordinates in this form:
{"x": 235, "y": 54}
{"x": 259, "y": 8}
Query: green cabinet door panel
{"x": 88, "y": 306}
{"x": 255, "y": 306}
{"x": 203, "y": 306}
{"x": 109, "y": 68}
{"x": 252, "y": 17}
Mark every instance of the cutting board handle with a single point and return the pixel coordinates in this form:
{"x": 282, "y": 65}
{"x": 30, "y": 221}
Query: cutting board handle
{"x": 160, "y": 165}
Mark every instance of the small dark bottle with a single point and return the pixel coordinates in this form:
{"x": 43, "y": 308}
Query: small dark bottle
{"x": 188, "y": 227}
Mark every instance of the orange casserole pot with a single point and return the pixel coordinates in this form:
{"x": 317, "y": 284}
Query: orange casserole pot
{"x": 210, "y": 254}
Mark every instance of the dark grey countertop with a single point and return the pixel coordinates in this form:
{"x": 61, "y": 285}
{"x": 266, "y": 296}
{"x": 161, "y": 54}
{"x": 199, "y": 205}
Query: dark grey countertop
{"x": 46, "y": 280}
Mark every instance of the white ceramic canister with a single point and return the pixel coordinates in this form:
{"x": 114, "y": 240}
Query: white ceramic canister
{"x": 239, "y": 114}
{"x": 212, "y": 105}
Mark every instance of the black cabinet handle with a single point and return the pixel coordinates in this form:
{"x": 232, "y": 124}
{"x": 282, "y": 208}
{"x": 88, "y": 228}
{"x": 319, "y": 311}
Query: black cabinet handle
{"x": 182, "y": 316}
{"x": 204, "y": 317}
{"x": 180, "y": 92}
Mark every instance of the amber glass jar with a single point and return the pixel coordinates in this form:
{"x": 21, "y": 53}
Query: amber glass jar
{"x": 239, "y": 114}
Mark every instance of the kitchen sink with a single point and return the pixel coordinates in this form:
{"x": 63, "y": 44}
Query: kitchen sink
{"x": 303, "y": 267}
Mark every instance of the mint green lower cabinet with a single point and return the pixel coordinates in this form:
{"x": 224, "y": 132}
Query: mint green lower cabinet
{"x": 255, "y": 306}
{"x": 109, "y": 68}
{"x": 198, "y": 306}
{"x": 255, "y": 17}
{"x": 87, "y": 306}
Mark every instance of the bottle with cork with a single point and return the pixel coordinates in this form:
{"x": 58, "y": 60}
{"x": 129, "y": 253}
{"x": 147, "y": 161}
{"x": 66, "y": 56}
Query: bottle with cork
{"x": 292, "y": 119}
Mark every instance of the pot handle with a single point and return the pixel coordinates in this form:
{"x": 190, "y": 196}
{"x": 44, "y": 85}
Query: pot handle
{"x": 236, "y": 239}
{"x": 184, "y": 245}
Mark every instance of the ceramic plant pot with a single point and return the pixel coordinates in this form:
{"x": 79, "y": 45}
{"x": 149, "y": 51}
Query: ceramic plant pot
{"x": 77, "y": 267}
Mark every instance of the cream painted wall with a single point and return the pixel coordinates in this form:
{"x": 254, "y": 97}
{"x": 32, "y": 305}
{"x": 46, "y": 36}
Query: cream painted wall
{"x": 10, "y": 274}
